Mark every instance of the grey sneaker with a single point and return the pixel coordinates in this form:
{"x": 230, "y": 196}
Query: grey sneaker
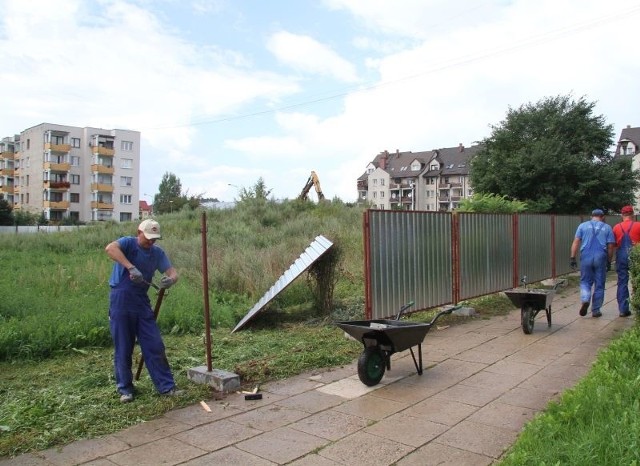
{"x": 126, "y": 398}
{"x": 174, "y": 392}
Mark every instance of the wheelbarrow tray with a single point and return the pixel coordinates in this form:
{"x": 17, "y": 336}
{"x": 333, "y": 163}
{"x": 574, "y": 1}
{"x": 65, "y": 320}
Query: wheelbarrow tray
{"x": 537, "y": 298}
{"x": 396, "y": 334}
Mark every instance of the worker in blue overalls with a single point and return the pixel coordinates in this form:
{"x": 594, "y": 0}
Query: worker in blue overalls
{"x": 595, "y": 240}
{"x": 627, "y": 234}
{"x": 136, "y": 259}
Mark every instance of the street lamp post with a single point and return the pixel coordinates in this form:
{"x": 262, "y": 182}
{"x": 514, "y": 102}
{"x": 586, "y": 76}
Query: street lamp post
{"x": 171, "y": 204}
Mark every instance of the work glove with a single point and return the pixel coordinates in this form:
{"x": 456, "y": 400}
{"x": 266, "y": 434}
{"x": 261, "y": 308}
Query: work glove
{"x": 608, "y": 266}
{"x": 573, "y": 263}
{"x": 166, "y": 282}
{"x": 136, "y": 276}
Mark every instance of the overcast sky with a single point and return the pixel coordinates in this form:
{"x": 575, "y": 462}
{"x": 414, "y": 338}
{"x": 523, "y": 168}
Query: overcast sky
{"x": 227, "y": 91}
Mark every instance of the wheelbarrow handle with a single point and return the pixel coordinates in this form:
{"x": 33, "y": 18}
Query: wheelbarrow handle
{"x": 404, "y": 308}
{"x": 449, "y": 310}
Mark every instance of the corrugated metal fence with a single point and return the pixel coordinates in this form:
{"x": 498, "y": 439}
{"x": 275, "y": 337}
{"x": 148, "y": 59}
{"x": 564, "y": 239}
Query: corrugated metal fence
{"x": 436, "y": 258}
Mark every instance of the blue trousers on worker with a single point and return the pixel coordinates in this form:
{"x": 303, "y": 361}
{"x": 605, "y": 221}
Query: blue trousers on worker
{"x": 131, "y": 316}
{"x": 622, "y": 269}
{"x": 593, "y": 274}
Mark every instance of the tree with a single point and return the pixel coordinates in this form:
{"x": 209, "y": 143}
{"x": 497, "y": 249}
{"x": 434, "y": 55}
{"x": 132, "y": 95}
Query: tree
{"x": 554, "y": 156}
{"x": 491, "y": 204}
{"x": 6, "y": 217}
{"x": 169, "y": 197}
{"x": 258, "y": 192}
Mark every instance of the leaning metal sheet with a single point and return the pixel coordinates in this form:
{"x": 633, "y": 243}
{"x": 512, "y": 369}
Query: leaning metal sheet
{"x": 316, "y": 249}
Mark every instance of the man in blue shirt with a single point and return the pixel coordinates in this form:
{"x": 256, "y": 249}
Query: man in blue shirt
{"x": 130, "y": 314}
{"x": 595, "y": 240}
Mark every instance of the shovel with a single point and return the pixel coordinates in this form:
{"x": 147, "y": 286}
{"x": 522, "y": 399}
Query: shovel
{"x": 156, "y": 311}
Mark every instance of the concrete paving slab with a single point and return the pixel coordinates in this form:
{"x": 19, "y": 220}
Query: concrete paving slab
{"x": 470, "y": 395}
{"x": 365, "y": 448}
{"x": 477, "y": 438}
{"x": 436, "y": 454}
{"x": 405, "y": 393}
{"x": 492, "y": 380}
{"x": 216, "y": 435}
{"x": 331, "y": 424}
{"x": 442, "y": 410}
{"x": 372, "y": 408}
{"x": 348, "y": 388}
{"x": 229, "y": 456}
{"x": 194, "y": 415}
{"x": 269, "y": 417}
{"x": 503, "y": 415}
{"x": 522, "y": 370}
{"x": 527, "y": 398}
{"x": 407, "y": 429}
{"x": 100, "y": 462}
{"x": 311, "y": 402}
{"x": 292, "y": 386}
{"x": 484, "y": 357}
{"x": 313, "y": 459}
{"x": 28, "y": 459}
{"x": 166, "y": 451}
{"x": 150, "y": 431}
{"x": 84, "y": 450}
{"x": 549, "y": 384}
{"x": 282, "y": 445}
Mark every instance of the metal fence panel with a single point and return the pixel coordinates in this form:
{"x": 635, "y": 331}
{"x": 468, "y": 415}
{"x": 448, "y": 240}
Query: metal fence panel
{"x": 410, "y": 260}
{"x": 486, "y": 253}
{"x": 534, "y": 247}
{"x": 565, "y": 232}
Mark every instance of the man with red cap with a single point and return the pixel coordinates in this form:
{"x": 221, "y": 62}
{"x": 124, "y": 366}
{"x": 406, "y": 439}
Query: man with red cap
{"x": 627, "y": 234}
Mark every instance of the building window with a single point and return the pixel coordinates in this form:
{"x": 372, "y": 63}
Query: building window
{"x": 126, "y": 181}
{"x": 375, "y": 181}
{"x": 126, "y": 145}
{"x": 126, "y": 163}
{"x": 75, "y": 179}
{"x": 74, "y": 197}
{"x": 125, "y": 198}
{"x": 75, "y": 160}
{"x": 28, "y": 144}
{"x": 381, "y": 194}
{"x": 74, "y": 215}
{"x": 125, "y": 216}
{"x": 382, "y": 182}
{"x": 75, "y": 142}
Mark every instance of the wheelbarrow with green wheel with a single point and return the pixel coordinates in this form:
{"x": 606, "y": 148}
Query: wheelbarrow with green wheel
{"x": 383, "y": 337}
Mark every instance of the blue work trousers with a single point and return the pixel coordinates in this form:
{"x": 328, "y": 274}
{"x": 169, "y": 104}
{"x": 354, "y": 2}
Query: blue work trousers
{"x": 128, "y": 321}
{"x": 593, "y": 274}
{"x": 622, "y": 269}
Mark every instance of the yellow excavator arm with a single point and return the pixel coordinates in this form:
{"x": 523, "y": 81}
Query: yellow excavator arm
{"x": 312, "y": 181}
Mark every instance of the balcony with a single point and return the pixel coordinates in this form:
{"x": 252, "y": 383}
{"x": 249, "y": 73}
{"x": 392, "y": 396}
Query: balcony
{"x": 57, "y": 167}
{"x": 59, "y": 205}
{"x": 57, "y": 147}
{"x": 105, "y": 188}
{"x": 101, "y": 205}
{"x": 99, "y": 150}
{"x": 6, "y": 155}
{"x": 6, "y": 172}
{"x": 97, "y": 168}
{"x": 6, "y": 189}
{"x": 62, "y": 185}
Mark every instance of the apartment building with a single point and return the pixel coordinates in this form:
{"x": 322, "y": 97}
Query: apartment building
{"x": 84, "y": 174}
{"x": 433, "y": 180}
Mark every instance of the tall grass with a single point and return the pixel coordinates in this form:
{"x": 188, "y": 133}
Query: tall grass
{"x": 54, "y": 286}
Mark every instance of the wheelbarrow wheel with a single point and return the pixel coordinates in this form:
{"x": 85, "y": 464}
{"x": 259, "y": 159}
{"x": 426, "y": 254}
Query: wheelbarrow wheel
{"x": 528, "y": 318}
{"x": 371, "y": 366}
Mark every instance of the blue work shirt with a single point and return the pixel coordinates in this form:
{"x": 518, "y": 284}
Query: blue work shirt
{"x": 594, "y": 236}
{"x": 147, "y": 261}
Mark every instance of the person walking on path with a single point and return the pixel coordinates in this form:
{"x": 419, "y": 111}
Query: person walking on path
{"x": 136, "y": 259}
{"x": 595, "y": 240}
{"x": 627, "y": 234}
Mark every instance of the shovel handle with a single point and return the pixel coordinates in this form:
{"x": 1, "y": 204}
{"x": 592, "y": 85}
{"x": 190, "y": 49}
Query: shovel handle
{"x": 156, "y": 311}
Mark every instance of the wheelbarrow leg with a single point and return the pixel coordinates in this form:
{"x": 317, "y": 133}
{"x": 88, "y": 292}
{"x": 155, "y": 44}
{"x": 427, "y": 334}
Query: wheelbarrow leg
{"x": 548, "y": 310}
{"x": 419, "y": 363}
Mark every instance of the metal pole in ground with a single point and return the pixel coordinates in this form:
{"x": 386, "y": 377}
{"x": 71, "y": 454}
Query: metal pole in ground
{"x": 205, "y": 289}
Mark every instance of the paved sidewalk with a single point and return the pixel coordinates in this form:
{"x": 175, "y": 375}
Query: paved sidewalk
{"x": 483, "y": 381}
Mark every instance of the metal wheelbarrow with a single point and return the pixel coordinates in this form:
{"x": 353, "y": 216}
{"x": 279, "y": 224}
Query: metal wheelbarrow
{"x": 381, "y": 338}
{"x": 531, "y": 301}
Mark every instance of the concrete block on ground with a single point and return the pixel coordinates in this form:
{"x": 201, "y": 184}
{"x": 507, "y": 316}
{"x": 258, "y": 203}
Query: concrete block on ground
{"x": 464, "y": 312}
{"x": 222, "y": 381}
